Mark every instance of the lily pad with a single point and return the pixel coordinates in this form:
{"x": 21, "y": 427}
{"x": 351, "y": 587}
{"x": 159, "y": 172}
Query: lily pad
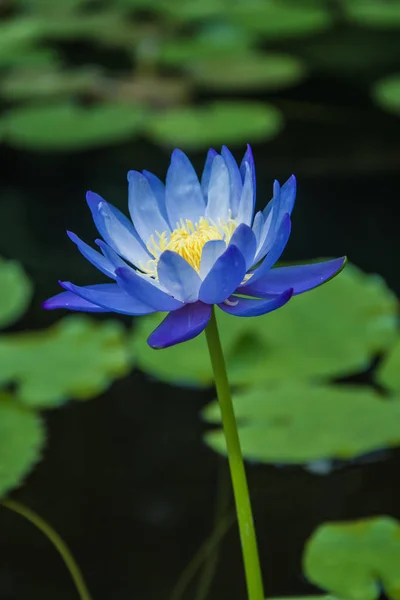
{"x": 386, "y": 93}
{"x": 15, "y": 292}
{"x": 331, "y": 331}
{"x": 353, "y": 560}
{"x": 21, "y": 442}
{"x": 18, "y": 37}
{"x": 298, "y": 423}
{"x": 388, "y": 372}
{"x": 69, "y": 127}
{"x": 76, "y": 358}
{"x": 250, "y": 71}
{"x": 228, "y": 121}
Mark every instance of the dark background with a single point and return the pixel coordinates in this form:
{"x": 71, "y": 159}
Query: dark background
{"x": 126, "y": 478}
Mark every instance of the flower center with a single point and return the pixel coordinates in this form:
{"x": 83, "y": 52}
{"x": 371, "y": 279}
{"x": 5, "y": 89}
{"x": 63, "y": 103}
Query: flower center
{"x": 187, "y": 240}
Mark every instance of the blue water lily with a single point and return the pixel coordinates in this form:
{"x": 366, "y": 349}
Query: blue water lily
{"x": 191, "y": 245}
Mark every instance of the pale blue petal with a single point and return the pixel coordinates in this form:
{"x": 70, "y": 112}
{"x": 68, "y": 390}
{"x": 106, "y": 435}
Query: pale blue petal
{"x": 246, "y": 205}
{"x": 245, "y": 240}
{"x": 158, "y": 190}
{"x": 181, "y": 325}
{"x": 205, "y": 178}
{"x": 141, "y": 288}
{"x": 288, "y": 195}
{"x": 248, "y": 159}
{"x": 245, "y": 307}
{"x": 218, "y": 192}
{"x": 235, "y": 180}
{"x": 109, "y": 296}
{"x": 144, "y": 208}
{"x": 258, "y": 225}
{"x": 211, "y": 251}
{"x": 97, "y": 259}
{"x": 112, "y": 256}
{"x": 178, "y": 277}
{"x": 183, "y": 195}
{"x": 117, "y": 230}
{"x": 224, "y": 277}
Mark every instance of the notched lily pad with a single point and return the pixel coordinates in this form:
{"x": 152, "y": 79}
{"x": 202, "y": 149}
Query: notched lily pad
{"x": 353, "y": 560}
{"x": 76, "y": 358}
{"x": 15, "y": 292}
{"x": 22, "y": 438}
{"x": 299, "y": 423}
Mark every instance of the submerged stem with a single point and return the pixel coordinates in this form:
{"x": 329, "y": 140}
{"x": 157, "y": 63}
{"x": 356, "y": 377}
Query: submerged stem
{"x": 238, "y": 474}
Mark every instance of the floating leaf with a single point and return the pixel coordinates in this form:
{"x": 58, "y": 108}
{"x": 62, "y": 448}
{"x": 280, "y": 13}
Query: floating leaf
{"x": 76, "y": 358}
{"x": 372, "y": 12}
{"x": 353, "y": 560}
{"x": 331, "y": 331}
{"x": 217, "y": 122}
{"x": 70, "y": 127}
{"x": 44, "y": 82}
{"x": 388, "y": 372}
{"x": 50, "y": 7}
{"x": 276, "y": 21}
{"x": 251, "y": 71}
{"x": 298, "y": 422}
{"x": 386, "y": 93}
{"x": 15, "y": 292}
{"x": 17, "y": 38}
{"x": 21, "y": 441}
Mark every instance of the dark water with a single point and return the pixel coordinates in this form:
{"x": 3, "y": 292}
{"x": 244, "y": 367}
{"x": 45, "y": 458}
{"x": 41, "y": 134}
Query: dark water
{"x": 126, "y": 478}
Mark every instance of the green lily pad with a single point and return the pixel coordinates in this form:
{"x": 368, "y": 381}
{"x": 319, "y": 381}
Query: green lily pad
{"x": 386, "y": 93}
{"x": 47, "y": 7}
{"x": 76, "y": 358}
{"x": 22, "y": 438}
{"x": 377, "y": 14}
{"x": 353, "y": 560}
{"x": 15, "y": 292}
{"x": 69, "y": 127}
{"x": 215, "y": 123}
{"x": 331, "y": 331}
{"x": 388, "y": 372}
{"x": 297, "y": 422}
{"x": 44, "y": 82}
{"x": 275, "y": 20}
{"x": 250, "y": 71}
{"x": 18, "y": 37}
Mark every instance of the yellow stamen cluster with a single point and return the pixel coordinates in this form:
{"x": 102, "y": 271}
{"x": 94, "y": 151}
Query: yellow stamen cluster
{"x": 187, "y": 240}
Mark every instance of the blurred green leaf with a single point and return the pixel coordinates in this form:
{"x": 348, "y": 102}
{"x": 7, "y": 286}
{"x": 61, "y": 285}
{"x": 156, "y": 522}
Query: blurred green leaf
{"x": 275, "y": 20}
{"x": 44, "y": 82}
{"x": 76, "y": 358}
{"x": 50, "y": 7}
{"x": 15, "y": 292}
{"x": 331, "y": 331}
{"x": 191, "y": 10}
{"x": 251, "y": 71}
{"x": 298, "y": 423}
{"x": 17, "y": 39}
{"x": 217, "y": 122}
{"x": 22, "y": 438}
{"x": 386, "y": 93}
{"x": 388, "y": 372}
{"x": 353, "y": 560}
{"x": 378, "y": 13}
{"x": 70, "y": 127}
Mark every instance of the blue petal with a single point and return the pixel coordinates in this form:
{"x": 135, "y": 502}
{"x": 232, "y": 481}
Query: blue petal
{"x": 158, "y": 190}
{"x": 258, "y": 225}
{"x": 97, "y": 259}
{"x": 224, "y": 277}
{"x": 71, "y": 301}
{"x": 117, "y": 230}
{"x": 141, "y": 288}
{"x": 272, "y": 220}
{"x": 248, "y": 159}
{"x": 181, "y": 325}
{"x": 288, "y": 195}
{"x": 178, "y": 277}
{"x": 205, "y": 178}
{"x": 245, "y": 240}
{"x": 299, "y": 277}
{"x": 235, "y": 180}
{"x": 183, "y": 195}
{"x": 218, "y": 204}
{"x": 109, "y": 296}
{"x": 211, "y": 251}
{"x": 245, "y": 307}
{"x": 275, "y": 253}
{"x": 112, "y": 256}
{"x": 246, "y": 204}
{"x": 144, "y": 208}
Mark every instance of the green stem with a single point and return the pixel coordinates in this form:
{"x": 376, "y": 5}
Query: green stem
{"x": 238, "y": 474}
{"x": 56, "y": 540}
